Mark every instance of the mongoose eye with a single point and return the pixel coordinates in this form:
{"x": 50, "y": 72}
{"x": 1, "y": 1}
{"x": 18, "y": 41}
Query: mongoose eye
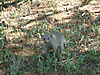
{"x": 48, "y": 38}
{"x": 43, "y": 38}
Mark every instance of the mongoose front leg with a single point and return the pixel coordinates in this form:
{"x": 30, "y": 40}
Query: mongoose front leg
{"x": 54, "y": 51}
{"x": 46, "y": 48}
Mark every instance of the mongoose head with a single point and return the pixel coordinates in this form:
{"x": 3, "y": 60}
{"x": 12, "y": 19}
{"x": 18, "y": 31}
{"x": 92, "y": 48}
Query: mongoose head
{"x": 46, "y": 38}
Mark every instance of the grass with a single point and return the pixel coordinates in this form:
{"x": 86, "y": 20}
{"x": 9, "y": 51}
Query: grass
{"x": 21, "y": 48}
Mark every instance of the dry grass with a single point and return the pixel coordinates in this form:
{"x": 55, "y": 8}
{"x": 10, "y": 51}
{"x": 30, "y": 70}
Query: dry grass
{"x": 22, "y": 52}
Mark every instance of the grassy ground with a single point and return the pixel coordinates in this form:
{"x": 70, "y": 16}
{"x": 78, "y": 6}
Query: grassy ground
{"x": 21, "y": 47}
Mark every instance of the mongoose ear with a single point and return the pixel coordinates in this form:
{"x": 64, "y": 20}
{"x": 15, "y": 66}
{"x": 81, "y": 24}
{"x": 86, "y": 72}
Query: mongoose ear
{"x": 53, "y": 36}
